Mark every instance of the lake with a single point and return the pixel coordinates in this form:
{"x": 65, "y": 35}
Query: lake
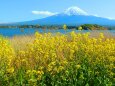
{"x": 28, "y": 31}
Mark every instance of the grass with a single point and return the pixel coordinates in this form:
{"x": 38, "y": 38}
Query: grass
{"x": 20, "y": 42}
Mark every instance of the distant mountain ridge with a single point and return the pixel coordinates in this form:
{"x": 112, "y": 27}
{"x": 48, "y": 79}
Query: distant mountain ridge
{"x": 71, "y": 20}
{"x": 71, "y": 16}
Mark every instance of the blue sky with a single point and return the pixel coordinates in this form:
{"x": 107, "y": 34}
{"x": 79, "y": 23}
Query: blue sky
{"x": 24, "y": 10}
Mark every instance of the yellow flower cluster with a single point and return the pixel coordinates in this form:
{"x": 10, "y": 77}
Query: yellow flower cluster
{"x": 6, "y": 55}
{"x": 61, "y": 59}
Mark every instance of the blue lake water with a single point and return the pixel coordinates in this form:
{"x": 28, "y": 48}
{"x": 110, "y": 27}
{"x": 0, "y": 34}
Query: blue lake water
{"x": 28, "y": 31}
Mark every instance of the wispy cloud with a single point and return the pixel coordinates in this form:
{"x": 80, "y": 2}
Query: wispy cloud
{"x": 110, "y": 18}
{"x": 46, "y": 13}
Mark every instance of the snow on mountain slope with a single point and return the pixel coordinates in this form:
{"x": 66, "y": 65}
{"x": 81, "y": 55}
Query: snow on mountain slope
{"x": 75, "y": 11}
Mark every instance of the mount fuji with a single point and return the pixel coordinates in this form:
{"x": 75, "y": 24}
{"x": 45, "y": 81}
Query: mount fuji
{"x": 71, "y": 16}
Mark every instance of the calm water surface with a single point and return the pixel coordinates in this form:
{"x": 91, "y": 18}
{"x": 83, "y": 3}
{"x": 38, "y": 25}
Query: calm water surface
{"x": 28, "y": 31}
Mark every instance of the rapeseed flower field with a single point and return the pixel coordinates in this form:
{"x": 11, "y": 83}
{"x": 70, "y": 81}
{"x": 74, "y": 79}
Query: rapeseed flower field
{"x": 72, "y": 59}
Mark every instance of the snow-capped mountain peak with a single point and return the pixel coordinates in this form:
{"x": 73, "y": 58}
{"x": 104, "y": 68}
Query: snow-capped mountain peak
{"x": 75, "y": 11}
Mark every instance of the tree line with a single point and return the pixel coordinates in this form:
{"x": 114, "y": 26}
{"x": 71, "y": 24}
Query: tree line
{"x": 83, "y": 27}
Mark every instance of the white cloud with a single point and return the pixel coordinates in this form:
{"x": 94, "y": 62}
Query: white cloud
{"x": 110, "y": 18}
{"x": 96, "y": 15}
{"x": 46, "y": 13}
